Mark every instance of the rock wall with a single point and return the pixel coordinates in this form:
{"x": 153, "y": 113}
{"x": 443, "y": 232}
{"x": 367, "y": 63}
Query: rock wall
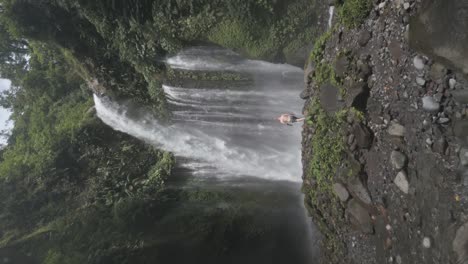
{"x": 394, "y": 191}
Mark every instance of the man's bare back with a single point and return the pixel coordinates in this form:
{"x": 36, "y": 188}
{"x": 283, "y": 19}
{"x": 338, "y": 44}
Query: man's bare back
{"x": 289, "y": 119}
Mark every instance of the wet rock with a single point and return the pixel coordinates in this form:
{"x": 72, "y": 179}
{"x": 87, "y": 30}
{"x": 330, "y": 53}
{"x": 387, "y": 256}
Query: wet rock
{"x": 420, "y": 81}
{"x": 363, "y": 135}
{"x": 460, "y": 244}
{"x": 452, "y": 83}
{"x": 440, "y": 146}
{"x": 329, "y": 97}
{"x": 398, "y": 160}
{"x": 341, "y": 192}
{"x": 358, "y": 190}
{"x": 309, "y": 72}
{"x": 418, "y": 63}
{"x": 305, "y": 94}
{"x": 401, "y": 181}
{"x": 364, "y": 38}
{"x": 430, "y": 104}
{"x": 461, "y": 96}
{"x": 359, "y": 216}
{"x": 463, "y": 156}
{"x": 396, "y": 129}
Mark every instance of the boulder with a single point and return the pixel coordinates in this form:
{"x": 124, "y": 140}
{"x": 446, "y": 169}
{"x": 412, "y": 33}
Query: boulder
{"x": 359, "y": 217}
{"x": 401, "y": 181}
{"x": 396, "y": 130}
{"x": 398, "y": 160}
{"x": 340, "y": 191}
{"x": 363, "y": 135}
{"x": 358, "y": 190}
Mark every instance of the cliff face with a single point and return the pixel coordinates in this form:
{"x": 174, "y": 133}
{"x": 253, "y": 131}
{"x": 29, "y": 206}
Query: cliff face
{"x": 384, "y": 146}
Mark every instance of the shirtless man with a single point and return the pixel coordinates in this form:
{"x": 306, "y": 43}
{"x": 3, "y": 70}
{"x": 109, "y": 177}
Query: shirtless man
{"x": 289, "y": 119}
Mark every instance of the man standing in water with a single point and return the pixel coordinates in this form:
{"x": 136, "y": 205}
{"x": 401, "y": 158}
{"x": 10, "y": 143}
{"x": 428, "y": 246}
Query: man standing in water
{"x": 289, "y": 119}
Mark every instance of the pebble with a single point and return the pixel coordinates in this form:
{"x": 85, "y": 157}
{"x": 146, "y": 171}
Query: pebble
{"x": 426, "y": 242}
{"x": 382, "y": 5}
{"x": 401, "y": 181}
{"x": 406, "y": 6}
{"x": 420, "y": 81}
{"x": 430, "y": 104}
{"x": 397, "y": 130}
{"x": 443, "y": 120}
{"x": 398, "y": 259}
{"x": 398, "y": 160}
{"x": 418, "y": 63}
{"x": 452, "y": 83}
{"x": 429, "y": 142}
{"x": 463, "y": 156}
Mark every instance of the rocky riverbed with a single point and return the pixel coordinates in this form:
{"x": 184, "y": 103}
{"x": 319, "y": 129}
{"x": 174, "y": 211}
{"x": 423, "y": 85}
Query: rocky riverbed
{"x": 397, "y": 193}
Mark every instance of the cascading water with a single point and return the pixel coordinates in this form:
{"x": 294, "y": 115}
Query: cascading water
{"x": 230, "y": 132}
{"x": 227, "y": 135}
{"x": 331, "y": 12}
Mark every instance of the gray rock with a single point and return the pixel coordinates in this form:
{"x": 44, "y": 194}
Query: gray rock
{"x": 358, "y": 190}
{"x": 398, "y": 160}
{"x": 452, "y": 83}
{"x": 364, "y": 38}
{"x": 460, "y": 96}
{"x": 438, "y": 71}
{"x": 305, "y": 94}
{"x": 418, "y": 63}
{"x": 309, "y": 72}
{"x": 460, "y": 243}
{"x": 341, "y": 65}
{"x": 359, "y": 216}
{"x": 463, "y": 156}
{"x": 406, "y": 6}
{"x": 443, "y": 120}
{"x": 397, "y": 130}
{"x": 341, "y": 192}
{"x": 420, "y": 81}
{"x": 440, "y": 146}
{"x": 401, "y": 181}
{"x": 430, "y": 104}
{"x": 426, "y": 242}
{"x": 363, "y": 136}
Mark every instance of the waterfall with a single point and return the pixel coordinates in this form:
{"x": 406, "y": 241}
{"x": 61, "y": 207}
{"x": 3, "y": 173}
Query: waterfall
{"x": 331, "y": 12}
{"x": 223, "y": 132}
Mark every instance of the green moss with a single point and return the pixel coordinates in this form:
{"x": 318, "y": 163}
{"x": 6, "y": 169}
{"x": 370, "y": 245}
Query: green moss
{"x": 319, "y": 47}
{"x": 327, "y": 145}
{"x": 353, "y": 12}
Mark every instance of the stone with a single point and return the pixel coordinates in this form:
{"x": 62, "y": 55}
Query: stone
{"x": 364, "y": 70}
{"x": 396, "y": 129}
{"x": 463, "y": 156}
{"x": 362, "y": 135}
{"x": 305, "y": 94}
{"x": 341, "y": 192}
{"x": 309, "y": 72}
{"x": 401, "y": 181}
{"x": 440, "y": 146}
{"x": 418, "y": 63}
{"x": 452, "y": 83}
{"x": 443, "y": 120}
{"x": 358, "y": 190}
{"x": 364, "y": 38}
{"x": 406, "y": 6}
{"x": 461, "y": 96}
{"x": 426, "y": 242}
{"x": 438, "y": 71}
{"x": 398, "y": 160}
{"x": 359, "y": 217}
{"x": 430, "y": 104}
{"x": 460, "y": 243}
{"x": 420, "y": 81}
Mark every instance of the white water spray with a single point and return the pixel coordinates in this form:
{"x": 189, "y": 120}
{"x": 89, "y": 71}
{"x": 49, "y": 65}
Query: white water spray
{"x": 223, "y": 133}
{"x": 331, "y": 12}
